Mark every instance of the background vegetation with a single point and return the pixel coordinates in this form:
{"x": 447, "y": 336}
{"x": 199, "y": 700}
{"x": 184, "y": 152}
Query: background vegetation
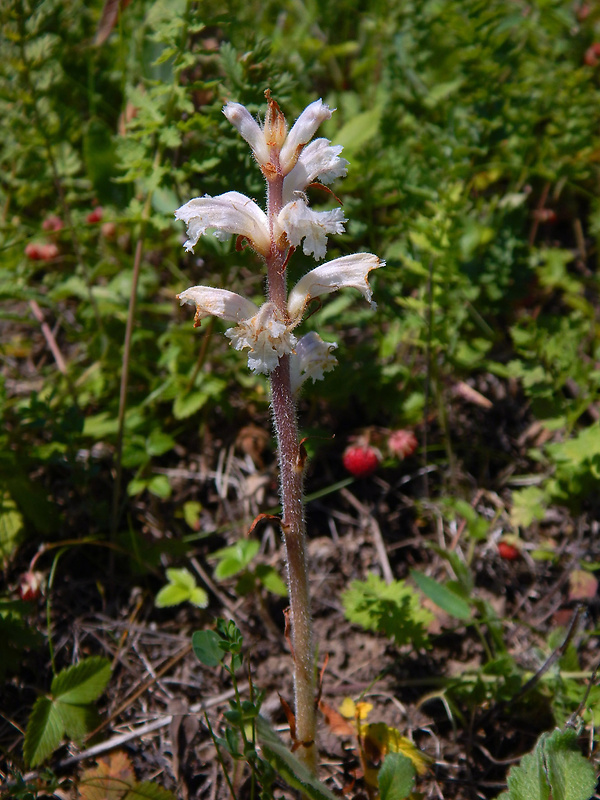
{"x": 131, "y": 444}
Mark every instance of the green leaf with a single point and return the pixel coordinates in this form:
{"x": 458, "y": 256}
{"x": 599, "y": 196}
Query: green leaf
{"x": 287, "y": 766}
{"x": 235, "y": 558}
{"x": 393, "y": 609}
{"x": 159, "y": 485}
{"x": 270, "y": 579}
{"x": 181, "y": 588}
{"x": 187, "y": 404}
{"x": 83, "y": 682}
{"x": 44, "y": 732}
{"x": 527, "y": 505}
{"x": 77, "y": 720}
{"x": 159, "y": 443}
{"x": 191, "y": 514}
{"x": 555, "y": 770}
{"x": 396, "y": 777}
{"x": 528, "y": 780}
{"x": 11, "y": 527}
{"x": 571, "y": 776}
{"x": 171, "y": 595}
{"x": 448, "y": 600}
{"x": 207, "y": 649}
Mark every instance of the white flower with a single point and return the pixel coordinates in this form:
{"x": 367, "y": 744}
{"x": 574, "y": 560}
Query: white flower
{"x": 311, "y": 358}
{"x": 300, "y": 222}
{"x": 229, "y": 213}
{"x": 262, "y": 330}
{"x": 266, "y": 335}
{"x": 302, "y": 132}
{"x": 347, "y": 271}
{"x": 242, "y": 119}
{"x": 220, "y": 303}
{"x": 319, "y": 159}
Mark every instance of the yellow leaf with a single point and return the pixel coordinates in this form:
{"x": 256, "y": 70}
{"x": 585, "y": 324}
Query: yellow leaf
{"x": 348, "y": 708}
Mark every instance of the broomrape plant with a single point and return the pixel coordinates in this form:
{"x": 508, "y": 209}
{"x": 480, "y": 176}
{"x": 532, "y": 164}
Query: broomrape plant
{"x": 289, "y": 165}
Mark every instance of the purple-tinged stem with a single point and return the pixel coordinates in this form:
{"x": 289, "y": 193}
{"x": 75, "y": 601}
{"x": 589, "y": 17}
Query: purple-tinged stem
{"x": 291, "y": 476}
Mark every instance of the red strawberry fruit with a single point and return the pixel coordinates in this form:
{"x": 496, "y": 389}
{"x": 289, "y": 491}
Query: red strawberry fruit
{"x": 361, "y": 460}
{"x": 508, "y": 551}
{"x": 402, "y": 443}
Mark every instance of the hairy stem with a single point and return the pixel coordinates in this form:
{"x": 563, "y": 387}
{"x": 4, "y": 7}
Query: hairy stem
{"x": 291, "y": 477}
{"x": 291, "y": 470}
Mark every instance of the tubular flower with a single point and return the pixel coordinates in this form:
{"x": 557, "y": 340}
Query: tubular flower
{"x": 292, "y": 160}
{"x": 228, "y": 213}
{"x": 300, "y": 222}
{"x": 311, "y": 359}
{"x": 318, "y": 160}
{"x": 264, "y": 331}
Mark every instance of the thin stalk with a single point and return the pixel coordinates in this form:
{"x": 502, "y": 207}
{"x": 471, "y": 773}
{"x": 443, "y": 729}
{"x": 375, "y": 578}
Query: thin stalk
{"x": 139, "y": 249}
{"x": 291, "y": 478}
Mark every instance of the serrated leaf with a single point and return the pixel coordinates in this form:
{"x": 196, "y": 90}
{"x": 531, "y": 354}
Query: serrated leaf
{"x": 44, "y": 732}
{"x": 393, "y": 609}
{"x": 555, "y": 769}
{"x": 181, "y": 588}
{"x": 287, "y": 766}
{"x": 396, "y": 777}
{"x": 571, "y": 776}
{"x": 83, "y": 682}
{"x": 448, "y": 600}
{"x": 528, "y": 780}
{"x": 207, "y": 648}
{"x": 77, "y": 720}
{"x": 181, "y": 577}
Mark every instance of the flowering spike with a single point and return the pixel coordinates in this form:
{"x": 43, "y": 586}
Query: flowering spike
{"x": 289, "y": 163}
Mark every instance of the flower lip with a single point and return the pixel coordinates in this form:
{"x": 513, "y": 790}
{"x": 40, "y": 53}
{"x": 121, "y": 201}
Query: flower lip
{"x": 346, "y": 272}
{"x": 220, "y": 303}
{"x": 318, "y": 161}
{"x": 229, "y": 213}
{"x": 266, "y": 335}
{"x": 301, "y": 222}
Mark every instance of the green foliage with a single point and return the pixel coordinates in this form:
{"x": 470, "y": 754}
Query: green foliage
{"x": 182, "y": 588}
{"x": 245, "y": 727}
{"x": 394, "y": 610}
{"x": 287, "y": 766}
{"x": 68, "y": 710}
{"x": 396, "y": 777}
{"x": 237, "y": 559}
{"x": 554, "y": 769}
{"x": 446, "y": 597}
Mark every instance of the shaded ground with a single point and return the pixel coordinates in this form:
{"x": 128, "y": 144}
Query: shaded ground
{"x": 462, "y": 700}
